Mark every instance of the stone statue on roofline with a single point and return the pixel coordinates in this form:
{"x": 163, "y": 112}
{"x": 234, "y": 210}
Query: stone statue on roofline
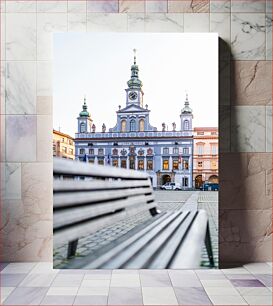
{"x": 163, "y": 127}
{"x": 103, "y": 128}
{"x": 93, "y": 128}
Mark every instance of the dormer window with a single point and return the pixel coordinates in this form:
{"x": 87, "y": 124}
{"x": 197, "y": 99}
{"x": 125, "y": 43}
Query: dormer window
{"x": 186, "y": 125}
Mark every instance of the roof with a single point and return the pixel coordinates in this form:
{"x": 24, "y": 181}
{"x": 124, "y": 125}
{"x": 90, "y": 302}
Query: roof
{"x": 62, "y": 134}
{"x": 206, "y": 129}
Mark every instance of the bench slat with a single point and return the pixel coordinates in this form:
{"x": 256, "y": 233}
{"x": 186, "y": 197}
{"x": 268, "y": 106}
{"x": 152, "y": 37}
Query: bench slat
{"x": 71, "y": 185}
{"x": 76, "y": 214}
{"x": 89, "y": 227}
{"x": 74, "y": 198}
{"x": 78, "y": 168}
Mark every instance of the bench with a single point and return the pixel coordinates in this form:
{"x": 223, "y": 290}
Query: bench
{"x": 88, "y": 197}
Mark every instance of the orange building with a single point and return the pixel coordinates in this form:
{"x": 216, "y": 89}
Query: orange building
{"x": 205, "y": 156}
{"x": 63, "y": 145}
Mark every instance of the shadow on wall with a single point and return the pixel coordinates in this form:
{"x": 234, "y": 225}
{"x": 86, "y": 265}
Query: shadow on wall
{"x": 238, "y": 243}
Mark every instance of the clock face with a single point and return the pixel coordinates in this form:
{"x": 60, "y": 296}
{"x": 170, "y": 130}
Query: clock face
{"x": 133, "y": 95}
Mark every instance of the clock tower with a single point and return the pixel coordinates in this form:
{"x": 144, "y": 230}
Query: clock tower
{"x": 134, "y": 93}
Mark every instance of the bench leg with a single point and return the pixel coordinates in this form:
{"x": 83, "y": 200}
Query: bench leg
{"x": 209, "y": 246}
{"x": 72, "y": 247}
{"x": 154, "y": 211}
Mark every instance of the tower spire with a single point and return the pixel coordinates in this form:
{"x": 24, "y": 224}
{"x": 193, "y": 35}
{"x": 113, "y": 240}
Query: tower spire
{"x": 134, "y": 56}
{"x": 186, "y": 108}
{"x": 84, "y": 112}
{"x": 134, "y": 82}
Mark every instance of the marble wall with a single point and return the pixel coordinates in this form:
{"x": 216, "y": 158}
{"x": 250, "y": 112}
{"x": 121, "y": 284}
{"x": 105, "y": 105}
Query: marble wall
{"x": 245, "y": 28}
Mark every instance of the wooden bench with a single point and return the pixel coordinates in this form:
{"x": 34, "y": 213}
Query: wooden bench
{"x": 90, "y": 197}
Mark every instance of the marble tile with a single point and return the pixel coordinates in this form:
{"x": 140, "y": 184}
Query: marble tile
{"x": 269, "y": 6}
{"x": 67, "y": 280}
{"x": 188, "y": 6}
{"x": 155, "y": 279}
{"x": 58, "y": 300}
{"x": 192, "y": 296}
{"x": 248, "y": 36}
{"x": 268, "y": 128}
{"x": 93, "y": 291}
{"x": 268, "y": 23}
{"x": 77, "y": 6}
{"x": 196, "y": 23}
{"x": 20, "y": 88}
{"x": 21, "y": 138}
{"x": 216, "y": 283}
{"x": 3, "y": 6}
{"x": 90, "y": 300}
{"x": 44, "y": 78}
{"x": 266, "y": 279}
{"x": 44, "y": 138}
{"x": 240, "y": 241}
{"x": 12, "y": 181}
{"x": 224, "y": 82}
{"x": 125, "y": 280}
{"x": 157, "y": 6}
{"x": 102, "y": 6}
{"x": 3, "y": 37}
{"x": 240, "y": 276}
{"x": 5, "y": 292}
{"x": 246, "y": 283}
{"x": 159, "y": 296}
{"x": 52, "y": 6}
{"x": 236, "y": 271}
{"x": 3, "y": 88}
{"x": 62, "y": 291}
{"x": 12, "y": 280}
{"x": 125, "y": 296}
{"x": 227, "y": 291}
{"x": 248, "y": 129}
{"x": 38, "y": 280}
{"x": 77, "y": 22}
{"x": 136, "y": 22}
{"x": 246, "y": 291}
{"x": 108, "y": 22}
{"x": 249, "y": 6}
{"x": 159, "y": 22}
{"x": 258, "y": 299}
{"x": 21, "y": 6}
{"x": 252, "y": 83}
{"x": 3, "y": 265}
{"x": 44, "y": 268}
{"x": 95, "y": 283}
{"x": 181, "y": 279}
{"x": 224, "y": 128}
{"x": 97, "y": 276}
{"x": 21, "y": 36}
{"x": 220, "y": 6}
{"x": 44, "y": 105}
{"x": 131, "y": 6}
{"x": 247, "y": 188}
{"x": 19, "y": 267}
{"x": 26, "y": 296}
{"x": 47, "y": 24}
{"x": 258, "y": 268}
{"x": 227, "y": 300}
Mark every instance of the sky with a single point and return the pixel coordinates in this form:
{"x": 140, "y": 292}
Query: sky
{"x": 98, "y": 66}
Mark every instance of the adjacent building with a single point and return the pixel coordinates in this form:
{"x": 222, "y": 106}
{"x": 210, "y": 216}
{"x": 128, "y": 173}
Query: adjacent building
{"x": 63, "y": 145}
{"x": 134, "y": 143}
{"x": 205, "y": 165}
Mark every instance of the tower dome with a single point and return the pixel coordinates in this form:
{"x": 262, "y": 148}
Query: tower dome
{"x": 84, "y": 112}
{"x": 134, "y": 82}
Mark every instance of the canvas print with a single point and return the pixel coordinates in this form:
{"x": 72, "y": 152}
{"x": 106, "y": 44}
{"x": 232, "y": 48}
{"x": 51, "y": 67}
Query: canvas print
{"x": 135, "y": 146}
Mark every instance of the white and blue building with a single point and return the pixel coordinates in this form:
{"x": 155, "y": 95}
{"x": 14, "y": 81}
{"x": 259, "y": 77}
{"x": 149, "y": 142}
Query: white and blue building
{"x": 133, "y": 143}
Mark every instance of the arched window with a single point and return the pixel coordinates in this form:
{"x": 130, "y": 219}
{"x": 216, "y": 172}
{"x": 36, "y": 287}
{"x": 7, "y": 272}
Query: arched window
{"x": 123, "y": 125}
{"x": 141, "y": 125}
{"x": 132, "y": 125}
{"x": 82, "y": 127}
{"x": 186, "y": 125}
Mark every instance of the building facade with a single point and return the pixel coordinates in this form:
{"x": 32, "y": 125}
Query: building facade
{"x": 133, "y": 143}
{"x": 63, "y": 145}
{"x": 205, "y": 165}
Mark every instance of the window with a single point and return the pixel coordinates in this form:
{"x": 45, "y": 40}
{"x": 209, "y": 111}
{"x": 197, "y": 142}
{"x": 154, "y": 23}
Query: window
{"x": 150, "y": 165}
{"x": 123, "y": 125}
{"x": 185, "y": 150}
{"x": 141, "y": 125}
{"x": 64, "y": 149}
{"x": 165, "y": 164}
{"x": 214, "y": 149}
{"x": 123, "y": 163}
{"x": 100, "y": 152}
{"x": 101, "y": 161}
{"x": 70, "y": 142}
{"x": 82, "y": 151}
{"x": 132, "y": 163}
{"x": 70, "y": 151}
{"x": 175, "y": 150}
{"x": 82, "y": 127}
{"x": 185, "y": 164}
{"x": 133, "y": 125}
{"x": 115, "y": 162}
{"x": 115, "y": 151}
{"x": 175, "y": 164}
{"x": 185, "y": 182}
{"x": 213, "y": 133}
{"x": 140, "y": 164}
{"x": 91, "y": 151}
{"x": 200, "y": 149}
{"x": 200, "y": 133}
{"x": 200, "y": 164}
{"x": 186, "y": 125}
{"x": 165, "y": 150}
{"x": 213, "y": 164}
{"x": 91, "y": 160}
